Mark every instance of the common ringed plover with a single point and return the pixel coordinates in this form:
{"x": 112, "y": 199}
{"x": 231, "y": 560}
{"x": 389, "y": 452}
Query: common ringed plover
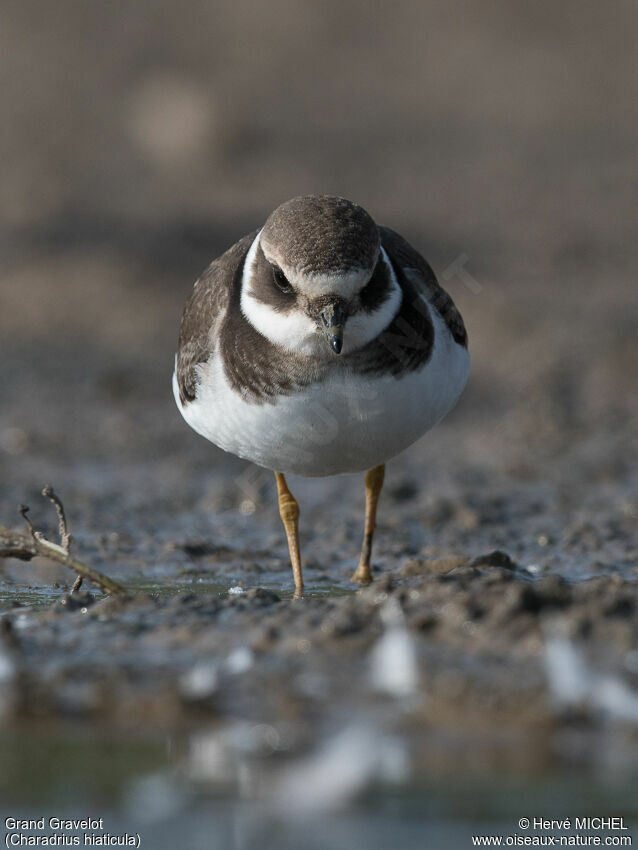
{"x": 319, "y": 344}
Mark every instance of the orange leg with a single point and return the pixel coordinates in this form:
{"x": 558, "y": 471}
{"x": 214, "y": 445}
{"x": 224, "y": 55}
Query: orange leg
{"x": 289, "y": 513}
{"x": 374, "y": 483}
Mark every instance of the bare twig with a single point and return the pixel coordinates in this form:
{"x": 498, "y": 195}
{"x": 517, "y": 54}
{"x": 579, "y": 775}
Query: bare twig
{"x": 23, "y": 511}
{"x": 65, "y": 537}
{"x": 13, "y": 544}
{"x": 16, "y": 545}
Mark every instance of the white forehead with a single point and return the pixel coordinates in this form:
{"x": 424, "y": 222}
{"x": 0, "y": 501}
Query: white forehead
{"x": 346, "y": 283}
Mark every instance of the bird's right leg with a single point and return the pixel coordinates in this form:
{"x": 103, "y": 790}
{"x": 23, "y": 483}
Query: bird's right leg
{"x": 289, "y": 513}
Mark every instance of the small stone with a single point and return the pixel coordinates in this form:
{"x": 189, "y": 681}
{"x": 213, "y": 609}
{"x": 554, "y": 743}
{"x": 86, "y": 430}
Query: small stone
{"x": 75, "y": 601}
{"x": 494, "y": 559}
{"x": 267, "y": 597}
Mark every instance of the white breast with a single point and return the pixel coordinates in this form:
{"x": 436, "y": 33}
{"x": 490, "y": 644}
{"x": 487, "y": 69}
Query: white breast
{"x": 345, "y": 423}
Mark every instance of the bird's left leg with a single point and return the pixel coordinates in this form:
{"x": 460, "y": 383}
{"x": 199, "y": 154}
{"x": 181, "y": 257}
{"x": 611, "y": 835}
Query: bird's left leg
{"x": 289, "y": 513}
{"x": 374, "y": 483}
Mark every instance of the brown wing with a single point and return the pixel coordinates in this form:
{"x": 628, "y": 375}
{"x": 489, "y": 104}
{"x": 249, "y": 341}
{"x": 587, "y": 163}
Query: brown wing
{"x": 404, "y": 255}
{"x": 204, "y": 308}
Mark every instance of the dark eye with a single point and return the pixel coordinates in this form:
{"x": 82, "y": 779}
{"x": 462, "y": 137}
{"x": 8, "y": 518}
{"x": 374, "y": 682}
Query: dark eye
{"x": 280, "y": 281}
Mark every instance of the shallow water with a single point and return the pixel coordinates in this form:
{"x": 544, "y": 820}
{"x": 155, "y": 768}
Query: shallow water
{"x": 140, "y": 784}
{"x": 38, "y": 597}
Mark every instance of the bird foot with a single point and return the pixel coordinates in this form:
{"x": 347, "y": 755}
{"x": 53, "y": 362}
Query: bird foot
{"x": 362, "y": 574}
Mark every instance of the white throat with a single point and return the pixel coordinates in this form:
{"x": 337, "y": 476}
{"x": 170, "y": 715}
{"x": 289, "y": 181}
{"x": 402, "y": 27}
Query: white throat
{"x": 295, "y": 331}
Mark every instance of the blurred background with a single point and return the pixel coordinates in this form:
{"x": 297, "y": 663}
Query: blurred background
{"x": 139, "y": 140}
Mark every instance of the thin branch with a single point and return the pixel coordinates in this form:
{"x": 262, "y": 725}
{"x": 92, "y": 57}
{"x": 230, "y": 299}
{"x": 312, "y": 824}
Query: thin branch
{"x": 16, "y": 545}
{"x": 65, "y": 537}
{"x": 13, "y": 544}
{"x": 23, "y": 511}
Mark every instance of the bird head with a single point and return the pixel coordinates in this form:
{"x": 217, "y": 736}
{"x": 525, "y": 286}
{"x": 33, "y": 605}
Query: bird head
{"x": 316, "y": 279}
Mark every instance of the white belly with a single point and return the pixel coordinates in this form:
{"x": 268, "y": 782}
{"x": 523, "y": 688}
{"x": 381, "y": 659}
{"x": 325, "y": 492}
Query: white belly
{"x": 346, "y": 423}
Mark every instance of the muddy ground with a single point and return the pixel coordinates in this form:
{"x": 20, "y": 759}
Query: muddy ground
{"x": 494, "y": 662}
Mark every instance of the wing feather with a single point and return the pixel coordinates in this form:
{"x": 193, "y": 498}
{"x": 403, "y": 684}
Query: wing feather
{"x": 421, "y": 275}
{"x": 203, "y": 311}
